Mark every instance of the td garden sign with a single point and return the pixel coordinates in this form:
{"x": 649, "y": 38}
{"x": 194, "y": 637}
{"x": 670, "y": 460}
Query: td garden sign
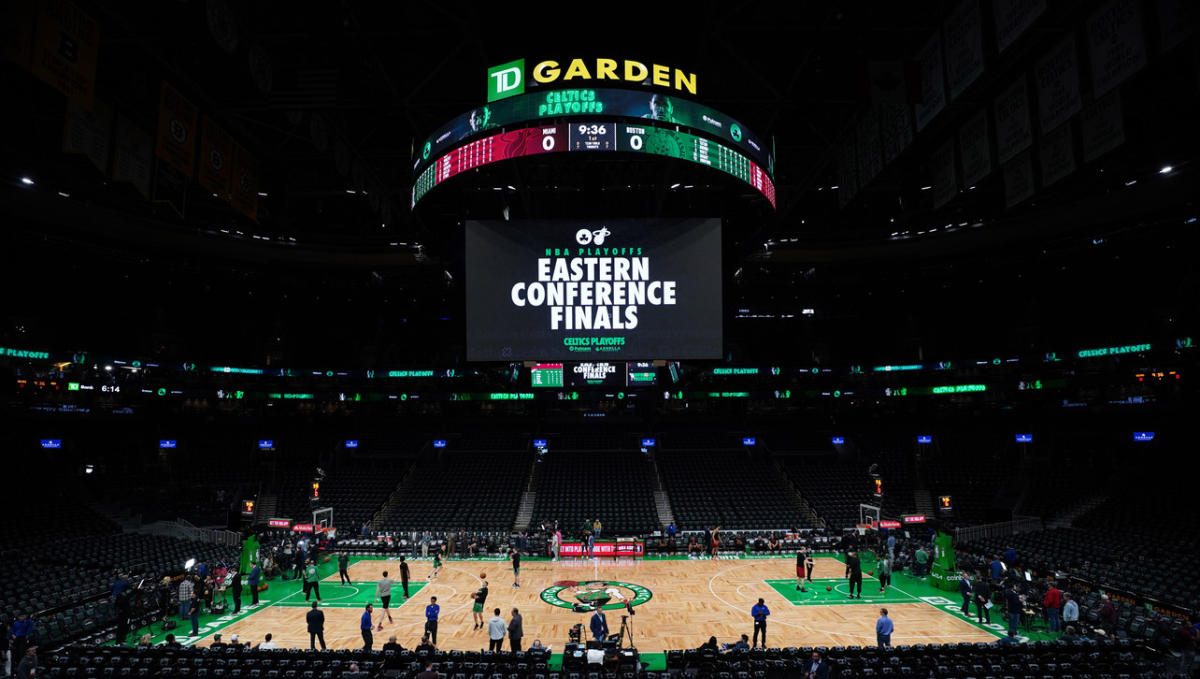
{"x": 584, "y": 597}
{"x": 508, "y": 80}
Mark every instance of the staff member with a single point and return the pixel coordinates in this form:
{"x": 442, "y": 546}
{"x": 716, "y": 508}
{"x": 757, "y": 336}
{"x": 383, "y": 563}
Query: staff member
{"x": 255, "y": 574}
{"x": 312, "y": 584}
{"x": 496, "y": 630}
{"x": 364, "y": 624}
{"x": 599, "y": 625}
{"x": 760, "y": 612}
{"x": 383, "y": 589}
{"x": 854, "y": 573}
{"x": 516, "y": 566}
{"x": 316, "y": 628}
{"x": 515, "y": 631}
{"x": 964, "y": 588}
{"x": 431, "y": 618}
{"x": 404, "y": 578}
{"x": 236, "y": 587}
{"x": 883, "y": 629}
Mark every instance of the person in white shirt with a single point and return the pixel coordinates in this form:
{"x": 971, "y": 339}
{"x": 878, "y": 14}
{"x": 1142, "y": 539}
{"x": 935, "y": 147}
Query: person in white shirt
{"x": 1070, "y": 612}
{"x": 267, "y": 644}
{"x": 497, "y": 628}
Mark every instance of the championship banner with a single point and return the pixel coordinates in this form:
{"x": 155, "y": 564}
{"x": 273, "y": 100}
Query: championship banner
{"x": 1018, "y": 179}
{"x": 177, "y": 118}
{"x": 963, "y": 34}
{"x": 975, "y": 146}
{"x": 16, "y": 31}
{"x": 1116, "y": 43}
{"x": 1057, "y": 155}
{"x": 245, "y": 182}
{"x": 216, "y": 158}
{"x": 1014, "y": 132}
{"x": 895, "y": 129}
{"x": 134, "y": 154}
{"x": 1057, "y": 77}
{"x": 1013, "y": 18}
{"x": 933, "y": 82}
{"x": 89, "y": 132}
{"x": 1103, "y": 126}
{"x": 66, "y": 43}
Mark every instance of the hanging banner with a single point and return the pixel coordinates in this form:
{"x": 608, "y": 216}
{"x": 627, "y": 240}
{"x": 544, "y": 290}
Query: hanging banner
{"x": 177, "y": 118}
{"x": 945, "y": 179}
{"x": 933, "y": 83}
{"x": 66, "y": 43}
{"x": 895, "y": 129}
{"x": 16, "y": 31}
{"x": 870, "y": 159}
{"x": 1013, "y": 130}
{"x": 888, "y": 84}
{"x": 1176, "y": 22}
{"x": 1116, "y": 44}
{"x": 216, "y": 158}
{"x": 847, "y": 167}
{"x": 1057, "y": 155}
{"x": 975, "y": 145}
{"x": 89, "y": 132}
{"x": 1013, "y": 18}
{"x": 1057, "y": 77}
{"x": 170, "y": 187}
{"x": 245, "y": 182}
{"x": 1103, "y": 126}
{"x": 1018, "y": 179}
{"x": 133, "y": 156}
{"x": 963, "y": 34}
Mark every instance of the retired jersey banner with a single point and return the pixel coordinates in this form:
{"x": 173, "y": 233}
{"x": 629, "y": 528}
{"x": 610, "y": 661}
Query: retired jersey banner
{"x": 216, "y": 158}
{"x": 245, "y": 182}
{"x": 65, "y": 46}
{"x": 134, "y": 155}
{"x": 177, "y": 121}
{"x": 89, "y": 132}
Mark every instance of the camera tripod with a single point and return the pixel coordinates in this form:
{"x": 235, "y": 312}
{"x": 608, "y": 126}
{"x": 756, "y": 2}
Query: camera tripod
{"x": 625, "y": 636}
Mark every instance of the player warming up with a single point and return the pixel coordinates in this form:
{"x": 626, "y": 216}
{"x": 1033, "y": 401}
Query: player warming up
{"x": 437, "y": 566}
{"x": 383, "y": 589}
{"x": 800, "y": 571}
{"x": 516, "y": 566}
{"x": 480, "y": 597}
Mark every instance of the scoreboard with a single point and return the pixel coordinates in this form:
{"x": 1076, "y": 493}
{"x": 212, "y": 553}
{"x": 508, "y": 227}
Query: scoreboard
{"x": 593, "y": 136}
{"x": 586, "y": 103}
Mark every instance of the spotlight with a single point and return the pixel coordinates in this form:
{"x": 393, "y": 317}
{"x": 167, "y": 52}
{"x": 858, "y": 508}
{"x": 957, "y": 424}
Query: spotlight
{"x": 1165, "y": 169}
{"x": 26, "y": 181}
{"x": 188, "y": 566}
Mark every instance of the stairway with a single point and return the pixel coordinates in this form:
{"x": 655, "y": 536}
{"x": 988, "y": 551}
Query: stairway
{"x": 525, "y": 511}
{"x": 923, "y": 503}
{"x": 394, "y": 499}
{"x": 814, "y": 519}
{"x": 266, "y": 507}
{"x": 662, "y": 503}
{"x": 1065, "y": 518}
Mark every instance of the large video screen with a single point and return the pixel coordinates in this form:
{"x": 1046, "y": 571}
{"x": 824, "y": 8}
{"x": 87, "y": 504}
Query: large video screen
{"x": 595, "y": 290}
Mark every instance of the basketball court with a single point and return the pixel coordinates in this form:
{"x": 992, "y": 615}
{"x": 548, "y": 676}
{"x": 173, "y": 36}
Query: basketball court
{"x": 678, "y": 603}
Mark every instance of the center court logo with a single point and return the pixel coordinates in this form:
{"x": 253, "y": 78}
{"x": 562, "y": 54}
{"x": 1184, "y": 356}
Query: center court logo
{"x": 586, "y": 237}
{"x": 585, "y": 596}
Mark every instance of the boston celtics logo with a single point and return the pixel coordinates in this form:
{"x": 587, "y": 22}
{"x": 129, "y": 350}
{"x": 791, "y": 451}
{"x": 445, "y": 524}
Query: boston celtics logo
{"x": 589, "y": 595}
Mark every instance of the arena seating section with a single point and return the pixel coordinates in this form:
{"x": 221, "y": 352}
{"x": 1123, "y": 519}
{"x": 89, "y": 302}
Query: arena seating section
{"x": 732, "y": 489}
{"x": 1042, "y": 660}
{"x": 612, "y": 485}
{"x": 355, "y": 490}
{"x": 474, "y": 490}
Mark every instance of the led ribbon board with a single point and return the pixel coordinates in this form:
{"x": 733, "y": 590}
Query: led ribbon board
{"x": 555, "y": 104}
{"x": 596, "y": 136}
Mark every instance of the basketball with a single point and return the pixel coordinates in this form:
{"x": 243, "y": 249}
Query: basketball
{"x": 327, "y": 559}
{"x": 828, "y": 588}
{"x": 870, "y": 572}
{"x": 483, "y": 576}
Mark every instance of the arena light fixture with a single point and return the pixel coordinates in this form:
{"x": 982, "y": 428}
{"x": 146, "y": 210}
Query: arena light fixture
{"x": 188, "y": 565}
{"x": 26, "y": 181}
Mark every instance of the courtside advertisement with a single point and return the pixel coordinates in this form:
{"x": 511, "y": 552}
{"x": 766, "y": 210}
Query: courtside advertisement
{"x": 599, "y": 290}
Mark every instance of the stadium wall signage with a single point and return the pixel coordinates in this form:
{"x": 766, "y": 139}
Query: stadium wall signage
{"x": 510, "y": 79}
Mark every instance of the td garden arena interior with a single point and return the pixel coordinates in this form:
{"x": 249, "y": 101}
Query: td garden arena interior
{"x": 739, "y": 341}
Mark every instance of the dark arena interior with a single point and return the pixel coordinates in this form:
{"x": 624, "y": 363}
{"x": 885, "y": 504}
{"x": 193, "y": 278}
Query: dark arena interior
{"x": 870, "y": 326}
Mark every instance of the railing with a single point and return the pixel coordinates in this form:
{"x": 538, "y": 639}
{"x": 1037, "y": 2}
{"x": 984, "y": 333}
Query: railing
{"x": 1022, "y": 524}
{"x": 181, "y": 528}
